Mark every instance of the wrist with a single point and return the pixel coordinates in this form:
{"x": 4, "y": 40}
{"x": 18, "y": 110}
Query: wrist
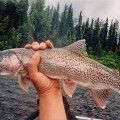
{"x": 51, "y": 94}
{"x": 51, "y": 105}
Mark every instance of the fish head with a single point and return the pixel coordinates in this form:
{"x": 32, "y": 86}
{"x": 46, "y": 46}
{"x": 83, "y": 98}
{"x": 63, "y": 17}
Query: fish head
{"x": 10, "y": 64}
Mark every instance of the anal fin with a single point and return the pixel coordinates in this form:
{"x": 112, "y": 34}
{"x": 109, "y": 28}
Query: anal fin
{"x": 101, "y": 97}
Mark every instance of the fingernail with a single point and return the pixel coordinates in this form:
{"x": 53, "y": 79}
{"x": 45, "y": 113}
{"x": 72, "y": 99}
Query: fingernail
{"x": 27, "y": 46}
{"x": 42, "y": 44}
{"x": 35, "y": 46}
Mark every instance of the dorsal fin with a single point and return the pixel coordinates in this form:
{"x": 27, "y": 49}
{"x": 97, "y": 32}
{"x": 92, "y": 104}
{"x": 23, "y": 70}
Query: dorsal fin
{"x": 78, "y": 47}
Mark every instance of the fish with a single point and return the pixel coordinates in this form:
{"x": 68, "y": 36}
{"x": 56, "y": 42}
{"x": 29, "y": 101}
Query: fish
{"x": 70, "y": 64}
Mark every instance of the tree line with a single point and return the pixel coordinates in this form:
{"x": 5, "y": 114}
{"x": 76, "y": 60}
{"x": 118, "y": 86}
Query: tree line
{"x": 13, "y": 19}
{"x": 22, "y": 21}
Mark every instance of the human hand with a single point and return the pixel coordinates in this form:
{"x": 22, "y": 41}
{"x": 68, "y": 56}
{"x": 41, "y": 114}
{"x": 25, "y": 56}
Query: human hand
{"x": 49, "y": 90}
{"x": 42, "y": 83}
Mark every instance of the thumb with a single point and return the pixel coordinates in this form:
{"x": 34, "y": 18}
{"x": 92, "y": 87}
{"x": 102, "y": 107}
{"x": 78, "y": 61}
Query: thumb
{"x": 40, "y": 81}
{"x": 33, "y": 65}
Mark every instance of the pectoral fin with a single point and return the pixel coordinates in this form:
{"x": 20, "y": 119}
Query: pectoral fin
{"x": 101, "y": 97}
{"x": 23, "y": 82}
{"x": 69, "y": 87}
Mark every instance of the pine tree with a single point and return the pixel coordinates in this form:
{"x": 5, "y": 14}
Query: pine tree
{"x": 109, "y": 41}
{"x": 22, "y": 11}
{"x": 118, "y": 47}
{"x": 112, "y": 38}
{"x": 96, "y": 33}
{"x": 39, "y": 5}
{"x": 91, "y": 33}
{"x": 39, "y": 21}
{"x": 105, "y": 34}
{"x": 87, "y": 33}
{"x": 48, "y": 20}
{"x": 70, "y": 27}
{"x": 63, "y": 22}
{"x": 3, "y": 26}
{"x": 79, "y": 33}
{"x": 10, "y": 11}
{"x": 22, "y": 31}
{"x": 119, "y": 41}
{"x": 55, "y": 18}
{"x": 14, "y": 17}
{"x": 55, "y": 24}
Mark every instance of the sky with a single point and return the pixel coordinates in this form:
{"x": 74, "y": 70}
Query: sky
{"x": 91, "y": 8}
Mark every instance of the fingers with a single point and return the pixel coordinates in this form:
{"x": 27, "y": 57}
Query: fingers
{"x": 33, "y": 65}
{"x": 41, "y": 46}
{"x": 35, "y": 46}
{"x": 49, "y": 44}
{"x": 28, "y": 46}
{"x": 34, "y": 62}
{"x": 39, "y": 80}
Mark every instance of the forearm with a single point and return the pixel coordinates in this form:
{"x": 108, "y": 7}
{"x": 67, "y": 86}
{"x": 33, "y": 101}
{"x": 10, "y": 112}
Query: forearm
{"x": 51, "y": 106}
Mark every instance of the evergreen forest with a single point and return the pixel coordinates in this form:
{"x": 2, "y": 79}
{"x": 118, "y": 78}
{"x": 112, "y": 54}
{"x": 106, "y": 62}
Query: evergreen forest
{"x": 23, "y": 21}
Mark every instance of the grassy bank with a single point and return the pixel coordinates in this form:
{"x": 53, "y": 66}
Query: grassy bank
{"x": 109, "y": 59}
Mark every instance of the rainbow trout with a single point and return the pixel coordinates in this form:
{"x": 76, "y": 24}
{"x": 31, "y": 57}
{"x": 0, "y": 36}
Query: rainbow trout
{"x": 69, "y": 64}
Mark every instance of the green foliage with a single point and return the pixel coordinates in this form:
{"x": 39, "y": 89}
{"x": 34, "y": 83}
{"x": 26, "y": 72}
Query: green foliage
{"x": 39, "y": 21}
{"x": 109, "y": 59}
{"x": 55, "y": 24}
{"x": 3, "y": 43}
{"x": 55, "y": 18}
{"x": 70, "y": 28}
{"x": 79, "y": 31}
{"x": 63, "y": 22}
{"x": 13, "y": 16}
{"x": 87, "y": 33}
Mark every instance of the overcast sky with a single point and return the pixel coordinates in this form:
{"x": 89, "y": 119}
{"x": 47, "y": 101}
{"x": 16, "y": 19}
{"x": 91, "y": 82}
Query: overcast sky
{"x": 92, "y": 8}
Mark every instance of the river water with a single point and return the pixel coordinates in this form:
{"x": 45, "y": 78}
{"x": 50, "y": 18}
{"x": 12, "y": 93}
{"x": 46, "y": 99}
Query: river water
{"x": 17, "y": 105}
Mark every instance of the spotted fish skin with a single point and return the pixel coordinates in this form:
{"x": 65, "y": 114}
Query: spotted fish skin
{"x": 68, "y": 64}
{"x": 80, "y": 69}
